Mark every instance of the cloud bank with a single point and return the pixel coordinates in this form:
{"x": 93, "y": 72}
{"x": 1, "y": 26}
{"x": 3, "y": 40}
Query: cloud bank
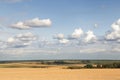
{"x": 77, "y": 42}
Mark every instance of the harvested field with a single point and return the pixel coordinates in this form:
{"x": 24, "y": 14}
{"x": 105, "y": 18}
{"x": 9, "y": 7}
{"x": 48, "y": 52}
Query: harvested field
{"x": 58, "y": 74}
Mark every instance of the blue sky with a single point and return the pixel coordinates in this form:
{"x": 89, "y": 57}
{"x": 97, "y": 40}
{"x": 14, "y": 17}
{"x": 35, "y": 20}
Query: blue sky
{"x": 59, "y": 29}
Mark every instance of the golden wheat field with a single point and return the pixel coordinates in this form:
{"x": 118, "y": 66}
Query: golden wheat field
{"x": 58, "y": 74}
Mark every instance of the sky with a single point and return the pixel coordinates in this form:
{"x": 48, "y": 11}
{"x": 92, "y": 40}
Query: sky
{"x": 59, "y": 29}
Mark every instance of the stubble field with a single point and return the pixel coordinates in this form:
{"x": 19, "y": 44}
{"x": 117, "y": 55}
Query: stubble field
{"x": 58, "y": 74}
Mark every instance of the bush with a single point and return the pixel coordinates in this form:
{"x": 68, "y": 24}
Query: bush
{"x": 88, "y": 66}
{"x": 73, "y": 67}
{"x": 99, "y": 66}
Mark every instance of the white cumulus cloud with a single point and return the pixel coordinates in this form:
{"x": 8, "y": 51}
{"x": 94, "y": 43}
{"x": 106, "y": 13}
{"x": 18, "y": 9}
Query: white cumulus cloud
{"x": 36, "y": 22}
{"x": 20, "y": 25}
{"x": 59, "y": 36}
{"x": 63, "y": 41}
{"x": 115, "y": 33}
{"x": 26, "y": 36}
{"x": 90, "y": 37}
{"x": 21, "y": 40}
{"x": 11, "y": 40}
{"x": 77, "y": 33}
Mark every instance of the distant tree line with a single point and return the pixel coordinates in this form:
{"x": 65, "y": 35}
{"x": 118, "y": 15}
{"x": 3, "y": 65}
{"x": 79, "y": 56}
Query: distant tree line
{"x": 90, "y": 66}
{"x": 56, "y": 62}
{"x": 112, "y": 65}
